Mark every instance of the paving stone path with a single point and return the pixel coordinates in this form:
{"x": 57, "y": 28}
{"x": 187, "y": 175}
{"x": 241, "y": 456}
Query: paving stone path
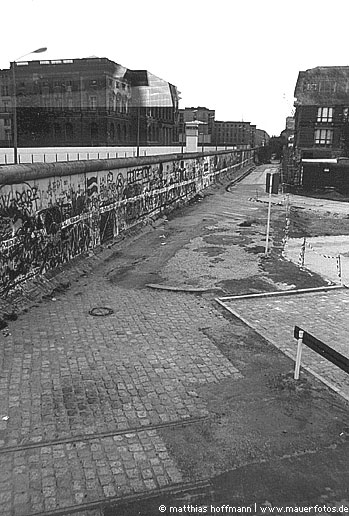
{"x": 323, "y": 314}
{"x": 82, "y": 396}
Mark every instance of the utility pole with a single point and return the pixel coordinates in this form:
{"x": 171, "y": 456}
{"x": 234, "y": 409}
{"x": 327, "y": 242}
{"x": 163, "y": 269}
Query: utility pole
{"x": 138, "y": 129}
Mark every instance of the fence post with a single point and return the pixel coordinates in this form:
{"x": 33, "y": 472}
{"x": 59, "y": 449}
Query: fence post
{"x": 302, "y": 254}
{"x": 299, "y": 354}
{"x": 339, "y": 268}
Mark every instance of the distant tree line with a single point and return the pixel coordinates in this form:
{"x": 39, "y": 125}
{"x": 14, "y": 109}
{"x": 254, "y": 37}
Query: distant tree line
{"x": 273, "y": 150}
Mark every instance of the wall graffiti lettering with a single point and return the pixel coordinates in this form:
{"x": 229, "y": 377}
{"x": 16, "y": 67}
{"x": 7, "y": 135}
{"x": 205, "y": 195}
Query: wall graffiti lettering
{"x": 46, "y": 223}
{"x": 21, "y": 200}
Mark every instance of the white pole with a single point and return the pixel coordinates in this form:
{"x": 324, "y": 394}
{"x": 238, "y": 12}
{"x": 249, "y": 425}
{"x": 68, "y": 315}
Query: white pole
{"x": 299, "y": 354}
{"x": 339, "y": 268}
{"x": 269, "y": 212}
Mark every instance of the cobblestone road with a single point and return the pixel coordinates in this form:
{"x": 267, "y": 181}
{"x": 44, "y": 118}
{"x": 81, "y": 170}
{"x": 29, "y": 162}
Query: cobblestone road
{"x": 80, "y": 396}
{"x": 323, "y": 314}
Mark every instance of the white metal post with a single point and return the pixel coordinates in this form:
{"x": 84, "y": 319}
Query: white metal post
{"x": 299, "y": 354}
{"x": 339, "y": 269}
{"x": 269, "y": 212}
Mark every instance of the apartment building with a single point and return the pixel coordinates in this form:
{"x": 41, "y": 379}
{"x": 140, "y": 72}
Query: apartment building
{"x": 321, "y": 134}
{"x": 87, "y": 102}
{"x": 240, "y": 134}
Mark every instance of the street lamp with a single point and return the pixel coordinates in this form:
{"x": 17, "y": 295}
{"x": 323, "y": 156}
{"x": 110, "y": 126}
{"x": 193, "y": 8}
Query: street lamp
{"x": 14, "y": 101}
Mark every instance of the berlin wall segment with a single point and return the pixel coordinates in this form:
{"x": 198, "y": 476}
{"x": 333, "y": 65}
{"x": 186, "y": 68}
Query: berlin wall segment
{"x": 51, "y": 213}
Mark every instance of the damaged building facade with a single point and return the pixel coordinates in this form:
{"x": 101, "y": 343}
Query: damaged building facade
{"x": 320, "y": 156}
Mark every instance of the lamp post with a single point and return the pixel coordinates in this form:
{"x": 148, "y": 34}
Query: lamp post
{"x": 138, "y": 128}
{"x": 182, "y": 136}
{"x": 14, "y": 101}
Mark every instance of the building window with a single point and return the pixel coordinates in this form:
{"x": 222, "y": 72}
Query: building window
{"x": 93, "y": 102}
{"x": 111, "y": 106}
{"x": 310, "y": 86}
{"x": 6, "y": 106}
{"x": 7, "y": 122}
{"x": 58, "y": 101}
{"x": 69, "y": 131}
{"x": 57, "y": 130}
{"x": 324, "y": 114}
{"x": 345, "y": 114}
{"x": 46, "y": 101}
{"x": 323, "y": 136}
{"x": 112, "y": 131}
{"x": 94, "y": 131}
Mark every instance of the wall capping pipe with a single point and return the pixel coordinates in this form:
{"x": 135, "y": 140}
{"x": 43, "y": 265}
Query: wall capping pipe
{"x": 14, "y": 174}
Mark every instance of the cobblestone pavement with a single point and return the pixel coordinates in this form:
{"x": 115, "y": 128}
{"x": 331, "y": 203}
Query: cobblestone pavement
{"x": 88, "y": 392}
{"x": 323, "y": 314}
{"x": 83, "y": 397}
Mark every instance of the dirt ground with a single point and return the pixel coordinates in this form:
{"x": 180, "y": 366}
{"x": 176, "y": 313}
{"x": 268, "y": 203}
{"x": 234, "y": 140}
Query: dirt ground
{"x": 188, "y": 249}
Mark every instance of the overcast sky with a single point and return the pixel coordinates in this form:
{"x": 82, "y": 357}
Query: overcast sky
{"x": 240, "y": 58}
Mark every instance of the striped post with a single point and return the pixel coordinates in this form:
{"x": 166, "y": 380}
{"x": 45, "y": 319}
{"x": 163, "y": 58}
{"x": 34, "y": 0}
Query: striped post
{"x": 339, "y": 268}
{"x": 299, "y": 355}
{"x": 302, "y": 254}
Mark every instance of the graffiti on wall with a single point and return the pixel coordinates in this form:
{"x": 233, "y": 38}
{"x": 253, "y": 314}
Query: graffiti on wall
{"x": 47, "y": 222}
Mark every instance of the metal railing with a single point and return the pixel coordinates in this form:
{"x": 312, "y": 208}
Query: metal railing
{"x": 320, "y": 348}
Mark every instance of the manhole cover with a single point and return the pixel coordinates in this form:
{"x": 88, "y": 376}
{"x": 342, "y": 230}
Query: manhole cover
{"x": 101, "y": 311}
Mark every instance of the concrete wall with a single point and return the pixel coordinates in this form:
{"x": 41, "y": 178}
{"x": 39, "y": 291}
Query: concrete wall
{"x": 50, "y": 213}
